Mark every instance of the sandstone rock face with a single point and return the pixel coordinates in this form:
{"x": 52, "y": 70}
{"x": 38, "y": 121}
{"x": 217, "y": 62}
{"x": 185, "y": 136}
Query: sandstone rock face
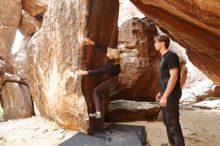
{"x": 198, "y": 86}
{"x": 192, "y": 23}
{"x": 1, "y": 113}
{"x": 56, "y": 50}
{"x": 208, "y": 104}
{"x": 139, "y": 60}
{"x": 16, "y": 101}
{"x": 29, "y": 25}
{"x": 15, "y": 98}
{"x": 19, "y": 60}
{"x": 124, "y": 110}
{"x": 127, "y": 11}
{"x": 10, "y": 14}
{"x": 2, "y": 72}
{"x": 183, "y": 73}
{"x": 35, "y": 7}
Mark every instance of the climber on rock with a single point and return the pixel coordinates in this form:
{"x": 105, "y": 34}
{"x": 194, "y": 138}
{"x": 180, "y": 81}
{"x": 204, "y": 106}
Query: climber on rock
{"x": 111, "y": 68}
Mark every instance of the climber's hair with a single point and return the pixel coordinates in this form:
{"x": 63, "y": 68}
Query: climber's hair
{"x": 163, "y": 38}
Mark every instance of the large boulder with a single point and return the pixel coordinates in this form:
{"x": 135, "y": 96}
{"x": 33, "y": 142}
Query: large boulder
{"x": 56, "y": 51}
{"x": 139, "y": 61}
{"x": 16, "y": 101}
{"x": 1, "y": 113}
{"x": 128, "y": 11}
{"x": 15, "y": 98}
{"x": 29, "y": 24}
{"x": 35, "y": 7}
{"x": 193, "y": 24}
{"x": 10, "y": 15}
{"x": 19, "y": 60}
{"x": 183, "y": 73}
{"x": 198, "y": 86}
{"x": 124, "y": 111}
{"x": 2, "y": 72}
{"x": 208, "y": 104}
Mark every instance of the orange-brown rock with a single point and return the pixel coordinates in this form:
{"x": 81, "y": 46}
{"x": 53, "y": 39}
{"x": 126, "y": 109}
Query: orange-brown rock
{"x": 15, "y": 98}
{"x": 19, "y": 60}
{"x": 183, "y": 73}
{"x": 139, "y": 61}
{"x": 16, "y": 101}
{"x": 7, "y": 77}
{"x": 2, "y": 72}
{"x": 35, "y": 7}
{"x": 56, "y": 50}
{"x": 124, "y": 110}
{"x": 10, "y": 15}
{"x": 29, "y": 24}
{"x": 194, "y": 24}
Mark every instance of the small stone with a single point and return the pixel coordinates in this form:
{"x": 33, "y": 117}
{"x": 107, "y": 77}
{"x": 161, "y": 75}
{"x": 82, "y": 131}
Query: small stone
{"x": 60, "y": 136}
{"x": 55, "y": 129}
{"x": 10, "y": 139}
{"x": 36, "y": 128}
{"x": 61, "y": 131}
{"x": 45, "y": 131}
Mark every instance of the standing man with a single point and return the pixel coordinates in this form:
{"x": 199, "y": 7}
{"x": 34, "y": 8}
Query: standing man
{"x": 170, "y": 91}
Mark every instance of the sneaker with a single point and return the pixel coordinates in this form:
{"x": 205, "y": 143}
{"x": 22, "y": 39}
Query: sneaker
{"x": 95, "y": 115}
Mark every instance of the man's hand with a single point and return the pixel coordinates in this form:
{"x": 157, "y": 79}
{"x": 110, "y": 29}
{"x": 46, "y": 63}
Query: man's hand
{"x": 87, "y": 41}
{"x": 163, "y": 101}
{"x": 158, "y": 97}
{"x": 81, "y": 73}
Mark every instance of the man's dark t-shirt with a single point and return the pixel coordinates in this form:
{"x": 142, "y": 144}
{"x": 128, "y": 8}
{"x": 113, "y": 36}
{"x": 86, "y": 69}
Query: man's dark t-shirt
{"x": 169, "y": 61}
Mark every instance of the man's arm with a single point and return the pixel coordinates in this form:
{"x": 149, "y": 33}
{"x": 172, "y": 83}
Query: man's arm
{"x": 170, "y": 85}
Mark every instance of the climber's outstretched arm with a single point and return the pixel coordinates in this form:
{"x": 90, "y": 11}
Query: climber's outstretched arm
{"x": 103, "y": 49}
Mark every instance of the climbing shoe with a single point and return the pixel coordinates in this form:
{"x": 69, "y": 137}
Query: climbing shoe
{"x": 96, "y": 115}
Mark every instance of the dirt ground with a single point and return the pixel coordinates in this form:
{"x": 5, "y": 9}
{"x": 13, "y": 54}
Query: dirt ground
{"x": 34, "y": 131}
{"x": 200, "y": 128}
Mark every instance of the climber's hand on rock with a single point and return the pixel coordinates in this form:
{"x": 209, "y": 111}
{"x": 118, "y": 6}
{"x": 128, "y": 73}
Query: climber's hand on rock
{"x": 87, "y": 41}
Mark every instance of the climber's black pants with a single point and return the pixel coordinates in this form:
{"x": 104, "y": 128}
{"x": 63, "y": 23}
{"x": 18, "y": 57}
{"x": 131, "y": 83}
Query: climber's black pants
{"x": 102, "y": 88}
{"x": 171, "y": 121}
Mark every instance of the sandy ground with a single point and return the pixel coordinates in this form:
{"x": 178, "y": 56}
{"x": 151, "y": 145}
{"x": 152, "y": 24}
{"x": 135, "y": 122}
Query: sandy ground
{"x": 34, "y": 131}
{"x": 200, "y": 128}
